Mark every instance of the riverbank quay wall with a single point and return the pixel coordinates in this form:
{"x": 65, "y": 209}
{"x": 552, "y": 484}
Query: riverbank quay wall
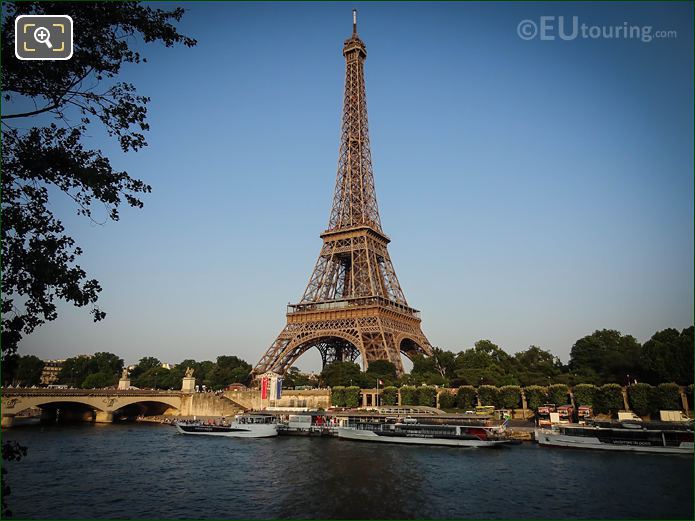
{"x": 206, "y": 405}
{"x": 308, "y": 399}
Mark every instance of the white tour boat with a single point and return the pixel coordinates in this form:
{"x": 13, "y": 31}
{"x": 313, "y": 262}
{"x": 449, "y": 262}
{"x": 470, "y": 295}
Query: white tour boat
{"x": 243, "y": 426}
{"x": 413, "y": 433}
{"x": 655, "y": 437}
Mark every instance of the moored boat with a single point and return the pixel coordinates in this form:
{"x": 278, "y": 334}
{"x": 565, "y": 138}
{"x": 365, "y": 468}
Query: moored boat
{"x": 423, "y": 434}
{"x": 655, "y": 437}
{"x": 243, "y": 426}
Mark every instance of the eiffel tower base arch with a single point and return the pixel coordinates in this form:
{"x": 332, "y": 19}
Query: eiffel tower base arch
{"x": 374, "y": 334}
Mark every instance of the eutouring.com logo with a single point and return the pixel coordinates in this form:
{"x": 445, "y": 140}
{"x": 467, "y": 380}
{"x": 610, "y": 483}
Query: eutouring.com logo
{"x": 559, "y": 27}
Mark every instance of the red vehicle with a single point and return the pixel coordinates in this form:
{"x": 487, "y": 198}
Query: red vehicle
{"x": 566, "y": 412}
{"x": 546, "y": 409}
{"x": 543, "y": 414}
{"x": 584, "y": 413}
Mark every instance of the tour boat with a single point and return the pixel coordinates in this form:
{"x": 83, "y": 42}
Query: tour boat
{"x": 243, "y": 426}
{"x": 413, "y": 433}
{"x": 655, "y": 437}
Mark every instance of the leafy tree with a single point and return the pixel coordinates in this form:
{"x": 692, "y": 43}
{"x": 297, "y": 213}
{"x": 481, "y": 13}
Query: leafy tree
{"x": 29, "y": 369}
{"x": 99, "y": 380}
{"x": 488, "y": 394}
{"x": 558, "y": 394}
{"x": 509, "y": 397}
{"x": 447, "y": 399}
{"x": 535, "y": 396}
{"x": 437, "y": 369}
{"x": 75, "y": 370}
{"x": 389, "y": 396}
{"x": 43, "y": 151}
{"x": 466, "y": 397}
{"x": 298, "y": 378}
{"x": 145, "y": 363}
{"x": 338, "y": 396}
{"x": 228, "y": 370}
{"x": 609, "y": 398}
{"x": 352, "y": 396}
{"x": 668, "y": 357}
{"x": 381, "y": 370}
{"x": 668, "y": 397}
{"x": 485, "y": 363}
{"x": 606, "y": 355}
{"x": 9, "y": 368}
{"x": 409, "y": 395}
{"x": 584, "y": 394}
{"x": 535, "y": 365}
{"x": 341, "y": 373}
{"x": 105, "y": 363}
{"x": 427, "y": 395}
{"x": 157, "y": 378}
{"x": 642, "y": 398}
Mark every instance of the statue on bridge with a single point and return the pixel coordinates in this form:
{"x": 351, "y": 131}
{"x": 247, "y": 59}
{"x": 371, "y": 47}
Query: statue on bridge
{"x": 124, "y": 374}
{"x": 189, "y": 372}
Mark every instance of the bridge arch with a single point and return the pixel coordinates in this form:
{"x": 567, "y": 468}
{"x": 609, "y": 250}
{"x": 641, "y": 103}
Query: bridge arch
{"x": 85, "y": 406}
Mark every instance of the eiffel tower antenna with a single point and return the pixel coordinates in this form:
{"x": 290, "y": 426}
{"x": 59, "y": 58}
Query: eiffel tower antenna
{"x": 353, "y": 304}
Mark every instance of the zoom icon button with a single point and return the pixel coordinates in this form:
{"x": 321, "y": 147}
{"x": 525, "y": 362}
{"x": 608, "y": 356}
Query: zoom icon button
{"x": 43, "y": 37}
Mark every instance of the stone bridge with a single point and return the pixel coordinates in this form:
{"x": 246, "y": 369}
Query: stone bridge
{"x": 101, "y": 405}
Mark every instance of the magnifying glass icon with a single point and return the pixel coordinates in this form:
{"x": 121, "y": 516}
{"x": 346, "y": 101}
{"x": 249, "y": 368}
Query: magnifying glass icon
{"x": 42, "y": 35}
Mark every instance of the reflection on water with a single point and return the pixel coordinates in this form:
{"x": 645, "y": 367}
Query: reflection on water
{"x": 149, "y": 471}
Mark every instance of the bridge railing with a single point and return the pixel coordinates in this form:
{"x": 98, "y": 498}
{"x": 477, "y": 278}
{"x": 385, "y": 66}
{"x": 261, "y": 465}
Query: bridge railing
{"x": 29, "y": 391}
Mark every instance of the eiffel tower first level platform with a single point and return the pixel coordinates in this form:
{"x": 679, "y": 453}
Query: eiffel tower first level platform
{"x": 353, "y": 304}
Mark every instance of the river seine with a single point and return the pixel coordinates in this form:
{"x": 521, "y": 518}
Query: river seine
{"x": 150, "y": 471}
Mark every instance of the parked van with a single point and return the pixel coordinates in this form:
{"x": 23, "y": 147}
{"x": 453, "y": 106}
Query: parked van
{"x": 628, "y": 415}
{"x": 673, "y": 416}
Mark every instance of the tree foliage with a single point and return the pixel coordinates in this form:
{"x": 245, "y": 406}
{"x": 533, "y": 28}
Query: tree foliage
{"x": 380, "y": 370}
{"x": 409, "y": 395}
{"x": 488, "y": 394}
{"x": 338, "y": 396}
{"x": 642, "y": 398}
{"x": 584, "y": 394}
{"x": 389, "y": 396}
{"x": 447, "y": 399}
{"x": 534, "y": 366}
{"x": 535, "y": 396}
{"x": 466, "y": 397}
{"x": 668, "y": 397}
{"x": 75, "y": 370}
{"x": 352, "y": 396}
{"x": 341, "y": 373}
{"x": 609, "y": 399}
{"x": 426, "y": 395}
{"x": 26, "y": 372}
{"x": 509, "y": 397}
{"x": 668, "y": 357}
{"x": 605, "y": 356}
{"x": 558, "y": 394}
{"x": 99, "y": 380}
{"x": 44, "y": 153}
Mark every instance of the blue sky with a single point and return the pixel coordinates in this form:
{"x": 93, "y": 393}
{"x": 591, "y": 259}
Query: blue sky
{"x": 534, "y": 191}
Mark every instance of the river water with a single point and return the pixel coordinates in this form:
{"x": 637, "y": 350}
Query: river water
{"x": 150, "y": 471}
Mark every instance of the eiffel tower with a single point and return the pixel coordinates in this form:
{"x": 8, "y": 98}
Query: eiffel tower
{"x": 353, "y": 304}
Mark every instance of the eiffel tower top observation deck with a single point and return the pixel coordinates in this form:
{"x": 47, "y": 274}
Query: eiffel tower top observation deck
{"x": 353, "y": 304}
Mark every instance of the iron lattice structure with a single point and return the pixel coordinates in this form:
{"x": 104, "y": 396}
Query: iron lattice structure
{"x": 353, "y": 304}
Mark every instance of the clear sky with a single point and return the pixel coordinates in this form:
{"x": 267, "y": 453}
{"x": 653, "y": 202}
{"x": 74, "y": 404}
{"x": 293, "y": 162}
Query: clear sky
{"x": 534, "y": 191}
